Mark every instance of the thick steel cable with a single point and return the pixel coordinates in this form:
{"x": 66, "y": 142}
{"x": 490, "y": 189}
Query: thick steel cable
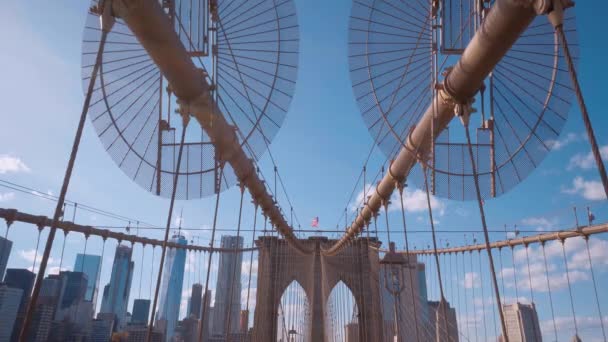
{"x": 65, "y": 235}
{"x": 569, "y": 286}
{"x": 597, "y": 301}
{"x": 483, "y": 304}
{"x": 400, "y": 187}
{"x": 228, "y": 319}
{"x": 485, "y": 232}
{"x": 514, "y": 274}
{"x": 466, "y": 298}
{"x": 201, "y": 324}
{"x": 430, "y": 210}
{"x": 583, "y": 107}
{"x": 186, "y": 119}
{"x": 36, "y": 252}
{"x": 66, "y": 180}
{"x": 255, "y": 219}
{"x": 473, "y": 290}
{"x": 549, "y": 288}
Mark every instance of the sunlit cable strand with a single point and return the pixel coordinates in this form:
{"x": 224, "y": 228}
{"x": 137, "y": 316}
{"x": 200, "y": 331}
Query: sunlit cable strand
{"x": 549, "y": 288}
{"x": 215, "y": 216}
{"x": 563, "y": 243}
{"x": 66, "y": 181}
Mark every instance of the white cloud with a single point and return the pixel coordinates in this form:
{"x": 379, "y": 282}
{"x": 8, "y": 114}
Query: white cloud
{"x": 586, "y": 161}
{"x": 414, "y": 201}
{"x": 570, "y": 138}
{"x": 566, "y": 324}
{"x": 590, "y": 190}
{"x": 7, "y": 196}
{"x": 471, "y": 280}
{"x": 12, "y": 164}
{"x": 245, "y": 268}
{"x": 540, "y": 222}
{"x": 29, "y": 255}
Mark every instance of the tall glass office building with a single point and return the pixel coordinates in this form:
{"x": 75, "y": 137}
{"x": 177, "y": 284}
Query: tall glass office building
{"x": 171, "y": 286}
{"x": 228, "y": 281}
{"x": 116, "y": 294}
{"x": 89, "y": 265}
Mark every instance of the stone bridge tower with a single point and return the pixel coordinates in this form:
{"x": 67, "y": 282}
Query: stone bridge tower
{"x": 279, "y": 265}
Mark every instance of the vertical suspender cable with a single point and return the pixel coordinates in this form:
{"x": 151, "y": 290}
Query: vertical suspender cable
{"x": 107, "y": 22}
{"x": 597, "y": 300}
{"x": 400, "y": 187}
{"x": 185, "y": 120}
{"x": 201, "y": 324}
{"x": 228, "y": 316}
{"x": 549, "y": 288}
{"x": 442, "y": 301}
{"x": 563, "y": 241}
{"x": 255, "y": 218}
{"x": 485, "y": 233}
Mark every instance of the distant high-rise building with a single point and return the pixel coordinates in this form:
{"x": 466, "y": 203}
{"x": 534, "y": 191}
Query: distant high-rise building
{"x": 5, "y": 252}
{"x": 437, "y": 312}
{"x": 522, "y": 322}
{"x": 116, "y": 294}
{"x": 101, "y": 330}
{"x": 411, "y": 285}
{"x": 196, "y": 299}
{"x": 171, "y": 286}
{"x": 141, "y": 311}
{"x": 74, "y": 289}
{"x": 22, "y": 279}
{"x": 228, "y": 281}
{"x": 138, "y": 333}
{"x": 40, "y": 327}
{"x": 351, "y": 332}
{"x": 10, "y": 299}
{"x": 89, "y": 265}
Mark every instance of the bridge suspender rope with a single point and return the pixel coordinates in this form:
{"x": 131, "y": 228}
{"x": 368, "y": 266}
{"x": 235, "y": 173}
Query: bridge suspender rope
{"x": 107, "y": 22}
{"x": 400, "y": 186}
{"x": 204, "y": 309}
{"x": 255, "y": 219}
{"x": 185, "y": 120}
{"x": 482, "y": 215}
{"x": 228, "y": 316}
{"x": 442, "y": 301}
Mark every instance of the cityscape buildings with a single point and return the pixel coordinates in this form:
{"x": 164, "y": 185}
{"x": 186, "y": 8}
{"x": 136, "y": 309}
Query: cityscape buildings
{"x": 89, "y": 265}
{"x": 5, "y": 252}
{"x": 440, "y": 317}
{"x": 141, "y": 311}
{"x": 24, "y": 280}
{"x": 170, "y": 293}
{"x": 196, "y": 299}
{"x": 228, "y": 289}
{"x": 10, "y": 300}
{"x": 522, "y": 322}
{"x": 116, "y": 293}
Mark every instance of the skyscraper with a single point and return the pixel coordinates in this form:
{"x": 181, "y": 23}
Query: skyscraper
{"x": 10, "y": 298}
{"x": 22, "y": 279}
{"x": 116, "y": 293}
{"x": 141, "y": 311}
{"x": 89, "y": 265}
{"x": 171, "y": 286}
{"x": 196, "y": 299}
{"x": 71, "y": 298}
{"x": 5, "y": 252}
{"x": 228, "y": 281}
{"x": 522, "y": 322}
{"x": 437, "y": 312}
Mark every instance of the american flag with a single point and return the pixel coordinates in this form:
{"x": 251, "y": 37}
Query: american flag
{"x": 315, "y": 222}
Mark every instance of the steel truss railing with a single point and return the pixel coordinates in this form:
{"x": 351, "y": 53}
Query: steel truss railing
{"x": 522, "y": 241}
{"x": 42, "y": 222}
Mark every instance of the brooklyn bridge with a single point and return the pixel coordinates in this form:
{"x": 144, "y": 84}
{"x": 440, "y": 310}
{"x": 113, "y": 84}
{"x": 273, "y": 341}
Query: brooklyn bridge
{"x": 448, "y": 233}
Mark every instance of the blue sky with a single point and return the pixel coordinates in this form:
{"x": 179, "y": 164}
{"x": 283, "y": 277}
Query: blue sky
{"x": 319, "y": 150}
